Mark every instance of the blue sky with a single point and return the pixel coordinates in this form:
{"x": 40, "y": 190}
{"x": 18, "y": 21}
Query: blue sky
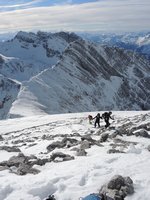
{"x": 75, "y": 15}
{"x": 9, "y": 5}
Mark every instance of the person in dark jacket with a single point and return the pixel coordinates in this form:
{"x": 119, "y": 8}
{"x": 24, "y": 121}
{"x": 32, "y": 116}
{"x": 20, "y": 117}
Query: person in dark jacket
{"x": 97, "y": 120}
{"x": 106, "y": 116}
{"x": 50, "y": 197}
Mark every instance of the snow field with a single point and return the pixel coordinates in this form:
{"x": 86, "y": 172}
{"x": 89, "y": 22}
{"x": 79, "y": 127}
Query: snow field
{"x": 81, "y": 176}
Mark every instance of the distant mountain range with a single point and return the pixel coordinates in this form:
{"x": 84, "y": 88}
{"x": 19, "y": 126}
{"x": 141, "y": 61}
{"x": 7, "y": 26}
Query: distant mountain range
{"x": 61, "y": 72}
{"x": 139, "y": 42}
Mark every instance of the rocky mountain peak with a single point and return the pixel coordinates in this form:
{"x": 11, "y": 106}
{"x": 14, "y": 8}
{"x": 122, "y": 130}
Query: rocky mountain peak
{"x": 69, "y": 37}
{"x": 26, "y": 37}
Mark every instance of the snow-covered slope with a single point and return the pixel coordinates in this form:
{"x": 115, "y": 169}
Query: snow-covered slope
{"x": 28, "y": 172}
{"x": 88, "y": 77}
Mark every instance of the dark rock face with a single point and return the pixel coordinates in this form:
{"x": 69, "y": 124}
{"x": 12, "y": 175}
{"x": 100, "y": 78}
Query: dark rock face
{"x": 142, "y": 133}
{"x": 85, "y": 144}
{"x": 26, "y": 169}
{"x": 64, "y": 157}
{"x": 88, "y": 138}
{"x": 116, "y": 182}
{"x": 148, "y": 148}
{"x": 114, "y": 151}
{"x": 81, "y": 152}
{"x": 54, "y": 145}
{"x": 69, "y": 37}
{"x": 1, "y": 138}
{"x": 66, "y": 142}
{"x": 10, "y": 149}
{"x": 118, "y": 187}
{"x": 104, "y": 137}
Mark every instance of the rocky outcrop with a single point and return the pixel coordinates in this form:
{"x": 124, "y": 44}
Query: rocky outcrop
{"x": 60, "y": 157}
{"x": 66, "y": 142}
{"x": 118, "y": 187}
{"x": 104, "y": 137}
{"x": 22, "y": 165}
{"x": 81, "y": 152}
{"x": 1, "y": 138}
{"x": 10, "y": 149}
{"x": 141, "y": 133}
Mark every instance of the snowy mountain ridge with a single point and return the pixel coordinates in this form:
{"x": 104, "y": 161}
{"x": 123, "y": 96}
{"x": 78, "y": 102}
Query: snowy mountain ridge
{"x": 87, "y": 77}
{"x": 35, "y": 52}
{"x": 28, "y": 54}
{"x": 61, "y": 73}
{"x": 139, "y": 42}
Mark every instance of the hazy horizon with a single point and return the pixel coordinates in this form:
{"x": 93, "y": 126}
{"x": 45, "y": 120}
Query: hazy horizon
{"x": 75, "y": 15}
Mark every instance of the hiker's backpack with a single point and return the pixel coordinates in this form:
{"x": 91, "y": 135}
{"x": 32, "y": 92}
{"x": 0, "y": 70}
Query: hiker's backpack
{"x": 51, "y": 197}
{"x": 92, "y": 197}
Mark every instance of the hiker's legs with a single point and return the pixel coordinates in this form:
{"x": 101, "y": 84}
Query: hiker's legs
{"x": 107, "y": 123}
{"x": 98, "y": 124}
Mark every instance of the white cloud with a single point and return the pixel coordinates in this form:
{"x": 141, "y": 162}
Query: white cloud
{"x": 17, "y": 4}
{"x": 111, "y": 15}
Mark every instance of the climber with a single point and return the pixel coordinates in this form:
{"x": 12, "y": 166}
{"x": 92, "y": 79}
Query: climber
{"x": 97, "y": 121}
{"x": 90, "y": 118}
{"x": 106, "y": 116}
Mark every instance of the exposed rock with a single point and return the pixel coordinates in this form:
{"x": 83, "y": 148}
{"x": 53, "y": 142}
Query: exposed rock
{"x": 142, "y": 133}
{"x": 47, "y": 137}
{"x": 74, "y": 149}
{"x": 114, "y": 134}
{"x": 118, "y": 187}
{"x": 1, "y": 138}
{"x": 81, "y": 152}
{"x": 114, "y": 151}
{"x": 104, "y": 137}
{"x": 22, "y": 164}
{"x": 54, "y": 145}
{"x": 85, "y": 144}
{"x": 88, "y": 138}
{"x": 124, "y": 130}
{"x": 18, "y": 141}
{"x": 69, "y": 142}
{"x": 120, "y": 142}
{"x": 3, "y": 168}
{"x": 24, "y": 169}
{"x": 39, "y": 161}
{"x": 64, "y": 157}
{"x": 145, "y": 126}
{"x": 69, "y": 37}
{"x": 148, "y": 147}
{"x": 116, "y": 182}
{"x": 10, "y": 149}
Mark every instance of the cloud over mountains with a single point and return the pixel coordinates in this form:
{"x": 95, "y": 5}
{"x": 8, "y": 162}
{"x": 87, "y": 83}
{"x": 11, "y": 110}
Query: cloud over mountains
{"x": 75, "y": 15}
